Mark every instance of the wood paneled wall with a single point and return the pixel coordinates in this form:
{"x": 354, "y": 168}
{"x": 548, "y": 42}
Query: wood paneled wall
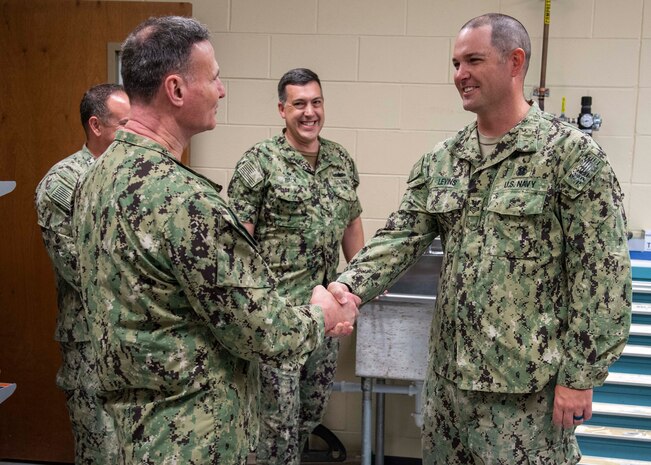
{"x": 50, "y": 53}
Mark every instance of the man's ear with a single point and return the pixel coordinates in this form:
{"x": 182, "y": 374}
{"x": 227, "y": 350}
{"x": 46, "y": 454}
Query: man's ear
{"x": 281, "y": 109}
{"x": 517, "y": 58}
{"x": 174, "y": 86}
{"x": 95, "y": 125}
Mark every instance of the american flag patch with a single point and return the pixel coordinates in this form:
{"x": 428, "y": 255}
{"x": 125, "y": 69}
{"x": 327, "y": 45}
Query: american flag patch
{"x": 250, "y": 173}
{"x": 61, "y": 195}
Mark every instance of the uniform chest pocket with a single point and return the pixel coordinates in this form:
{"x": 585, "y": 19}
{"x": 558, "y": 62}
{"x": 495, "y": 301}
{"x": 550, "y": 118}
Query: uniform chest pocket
{"x": 289, "y": 207}
{"x": 344, "y": 191}
{"x": 341, "y": 204}
{"x": 513, "y": 223}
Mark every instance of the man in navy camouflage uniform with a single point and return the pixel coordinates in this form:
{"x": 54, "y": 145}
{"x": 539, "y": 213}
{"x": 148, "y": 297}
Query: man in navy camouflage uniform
{"x": 180, "y": 303}
{"x": 295, "y": 193}
{"x": 535, "y": 292}
{"x": 104, "y": 108}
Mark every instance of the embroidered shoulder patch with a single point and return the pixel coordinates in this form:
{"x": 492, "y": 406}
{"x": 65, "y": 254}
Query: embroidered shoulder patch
{"x": 250, "y": 173}
{"x": 583, "y": 171}
{"x": 415, "y": 171}
{"x": 61, "y": 195}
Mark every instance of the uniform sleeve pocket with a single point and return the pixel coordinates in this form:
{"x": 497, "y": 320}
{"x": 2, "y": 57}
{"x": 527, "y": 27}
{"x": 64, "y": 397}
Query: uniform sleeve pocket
{"x": 416, "y": 181}
{"x": 445, "y": 200}
{"x": 239, "y": 265}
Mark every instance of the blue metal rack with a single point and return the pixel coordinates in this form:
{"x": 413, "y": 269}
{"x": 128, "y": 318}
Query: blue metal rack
{"x": 620, "y": 429}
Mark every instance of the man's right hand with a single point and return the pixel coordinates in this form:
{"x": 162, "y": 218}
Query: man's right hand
{"x": 340, "y": 292}
{"x": 339, "y": 314}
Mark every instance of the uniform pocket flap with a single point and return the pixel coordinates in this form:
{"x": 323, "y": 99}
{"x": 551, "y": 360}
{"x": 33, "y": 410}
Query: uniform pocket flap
{"x": 344, "y": 191}
{"x": 517, "y": 203}
{"x": 293, "y": 193}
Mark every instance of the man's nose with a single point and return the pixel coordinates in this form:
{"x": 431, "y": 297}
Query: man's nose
{"x": 461, "y": 72}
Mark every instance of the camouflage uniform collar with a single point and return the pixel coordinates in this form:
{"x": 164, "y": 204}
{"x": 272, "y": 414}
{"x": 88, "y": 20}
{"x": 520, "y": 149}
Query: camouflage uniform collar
{"x": 327, "y": 156}
{"x": 523, "y": 137}
{"x": 85, "y": 152}
{"x": 141, "y": 141}
{"x": 294, "y": 156}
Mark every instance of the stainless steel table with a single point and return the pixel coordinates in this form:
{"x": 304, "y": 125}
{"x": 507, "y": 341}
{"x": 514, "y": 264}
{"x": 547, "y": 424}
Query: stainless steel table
{"x": 393, "y": 343}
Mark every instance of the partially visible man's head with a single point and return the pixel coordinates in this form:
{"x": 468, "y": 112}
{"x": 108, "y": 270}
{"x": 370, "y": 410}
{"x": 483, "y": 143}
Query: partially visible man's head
{"x": 95, "y": 102}
{"x": 295, "y": 77}
{"x": 157, "y": 47}
{"x": 507, "y": 34}
{"x": 103, "y": 110}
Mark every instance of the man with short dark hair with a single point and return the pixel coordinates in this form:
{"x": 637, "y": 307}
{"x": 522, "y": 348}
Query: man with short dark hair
{"x": 534, "y": 300}
{"x": 181, "y": 304}
{"x": 103, "y": 109}
{"x": 295, "y": 194}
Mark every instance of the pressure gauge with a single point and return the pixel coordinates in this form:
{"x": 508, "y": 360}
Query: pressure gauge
{"x": 586, "y": 120}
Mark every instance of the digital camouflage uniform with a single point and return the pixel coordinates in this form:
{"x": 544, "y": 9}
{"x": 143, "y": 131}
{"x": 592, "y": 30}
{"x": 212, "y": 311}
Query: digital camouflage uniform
{"x": 300, "y": 215}
{"x": 95, "y": 440}
{"x": 181, "y": 305}
{"x": 535, "y": 285}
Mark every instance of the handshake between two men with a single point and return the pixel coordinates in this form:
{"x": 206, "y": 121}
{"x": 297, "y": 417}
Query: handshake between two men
{"x": 340, "y": 308}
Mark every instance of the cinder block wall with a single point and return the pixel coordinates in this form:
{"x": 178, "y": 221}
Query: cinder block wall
{"x": 389, "y": 97}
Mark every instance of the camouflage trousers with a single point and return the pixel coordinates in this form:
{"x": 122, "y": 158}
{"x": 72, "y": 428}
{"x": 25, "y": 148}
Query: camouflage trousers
{"x": 292, "y": 404}
{"x": 92, "y": 427}
{"x": 483, "y": 428}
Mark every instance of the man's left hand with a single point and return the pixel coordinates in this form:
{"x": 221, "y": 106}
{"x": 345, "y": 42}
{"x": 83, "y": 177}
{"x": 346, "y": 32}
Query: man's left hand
{"x": 571, "y": 406}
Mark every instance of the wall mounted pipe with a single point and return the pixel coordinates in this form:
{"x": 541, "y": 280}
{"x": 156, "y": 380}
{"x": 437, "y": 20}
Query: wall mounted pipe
{"x": 542, "y": 90}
